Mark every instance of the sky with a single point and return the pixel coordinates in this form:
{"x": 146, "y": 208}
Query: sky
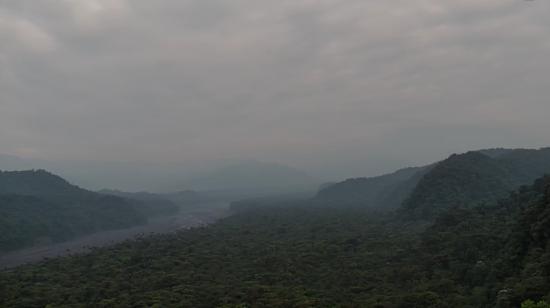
{"x": 335, "y": 87}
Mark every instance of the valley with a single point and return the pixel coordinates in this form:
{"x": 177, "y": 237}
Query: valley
{"x": 470, "y": 230}
{"x": 274, "y": 154}
{"x": 159, "y": 225}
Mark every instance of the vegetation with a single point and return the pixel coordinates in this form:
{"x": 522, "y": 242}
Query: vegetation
{"x": 314, "y": 256}
{"x": 473, "y": 179}
{"x": 39, "y": 207}
{"x": 481, "y": 246}
{"x": 531, "y": 304}
{"x": 468, "y": 179}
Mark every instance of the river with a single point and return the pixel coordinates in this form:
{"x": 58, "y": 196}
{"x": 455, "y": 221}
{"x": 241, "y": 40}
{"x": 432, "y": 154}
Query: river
{"x": 166, "y": 224}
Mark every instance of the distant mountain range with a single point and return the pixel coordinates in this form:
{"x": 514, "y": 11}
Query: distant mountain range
{"x": 474, "y": 177}
{"x": 95, "y": 175}
{"x": 255, "y": 177}
{"x": 38, "y": 206}
{"x": 386, "y": 191}
{"x": 244, "y": 178}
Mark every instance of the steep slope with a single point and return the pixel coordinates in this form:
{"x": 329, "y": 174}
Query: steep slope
{"x": 39, "y": 207}
{"x": 464, "y": 179}
{"x": 36, "y": 182}
{"x": 475, "y": 178}
{"x": 472, "y": 178}
{"x": 500, "y": 253}
{"x": 527, "y": 164}
{"x": 381, "y": 192}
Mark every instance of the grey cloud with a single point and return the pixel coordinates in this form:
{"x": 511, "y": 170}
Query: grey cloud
{"x": 338, "y": 88}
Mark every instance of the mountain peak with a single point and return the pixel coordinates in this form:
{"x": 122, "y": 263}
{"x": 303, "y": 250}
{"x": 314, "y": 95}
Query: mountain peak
{"x": 475, "y": 177}
{"x": 34, "y": 182}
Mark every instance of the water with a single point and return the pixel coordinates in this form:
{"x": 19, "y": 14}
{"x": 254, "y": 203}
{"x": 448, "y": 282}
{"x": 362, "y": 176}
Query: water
{"x": 166, "y": 224}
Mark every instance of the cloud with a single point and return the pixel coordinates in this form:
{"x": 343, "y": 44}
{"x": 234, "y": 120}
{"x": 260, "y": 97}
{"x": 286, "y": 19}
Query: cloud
{"x": 20, "y": 34}
{"x": 308, "y": 83}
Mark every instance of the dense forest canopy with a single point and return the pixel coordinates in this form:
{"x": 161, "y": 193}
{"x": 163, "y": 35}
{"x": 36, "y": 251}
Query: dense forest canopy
{"x": 474, "y": 178}
{"x": 485, "y": 245}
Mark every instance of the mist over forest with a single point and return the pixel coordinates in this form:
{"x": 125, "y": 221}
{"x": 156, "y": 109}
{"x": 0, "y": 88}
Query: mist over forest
{"x": 253, "y": 153}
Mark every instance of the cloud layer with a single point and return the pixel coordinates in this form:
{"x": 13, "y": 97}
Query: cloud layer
{"x": 349, "y": 87}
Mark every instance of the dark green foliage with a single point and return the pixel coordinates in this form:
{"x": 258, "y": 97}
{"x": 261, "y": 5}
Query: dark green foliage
{"x": 309, "y": 256}
{"x": 37, "y": 207}
{"x": 502, "y": 247}
{"x": 273, "y": 257}
{"x": 531, "y": 304}
{"x": 474, "y": 252}
{"x": 461, "y": 180}
{"x": 473, "y": 179}
{"x": 470, "y": 179}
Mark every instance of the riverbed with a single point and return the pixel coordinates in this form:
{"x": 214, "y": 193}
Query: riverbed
{"x": 166, "y": 224}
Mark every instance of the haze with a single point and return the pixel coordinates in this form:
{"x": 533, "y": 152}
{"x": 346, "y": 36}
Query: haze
{"x": 336, "y": 88}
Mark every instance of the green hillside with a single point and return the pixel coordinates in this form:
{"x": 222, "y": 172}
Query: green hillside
{"x": 461, "y": 180}
{"x": 37, "y": 207}
{"x": 36, "y": 182}
{"x": 307, "y": 256}
{"x": 475, "y": 178}
{"x": 484, "y": 244}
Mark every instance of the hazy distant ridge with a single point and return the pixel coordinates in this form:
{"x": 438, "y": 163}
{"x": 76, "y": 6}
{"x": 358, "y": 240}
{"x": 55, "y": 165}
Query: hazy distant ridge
{"x": 37, "y": 206}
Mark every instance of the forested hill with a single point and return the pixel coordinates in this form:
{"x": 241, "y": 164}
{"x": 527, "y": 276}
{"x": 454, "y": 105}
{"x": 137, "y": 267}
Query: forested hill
{"x": 381, "y": 192}
{"x": 461, "y": 180}
{"x": 39, "y": 207}
{"x": 527, "y": 164}
{"x": 474, "y": 178}
{"x": 35, "y": 182}
{"x": 310, "y": 256}
{"x": 499, "y": 253}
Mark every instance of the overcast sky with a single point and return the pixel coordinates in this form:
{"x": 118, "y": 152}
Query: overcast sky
{"x": 343, "y": 87}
